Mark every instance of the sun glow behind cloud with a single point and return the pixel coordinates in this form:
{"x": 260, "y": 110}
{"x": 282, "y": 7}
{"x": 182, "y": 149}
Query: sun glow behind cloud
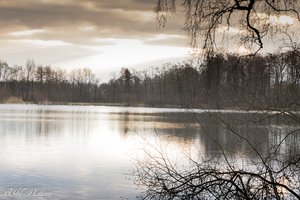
{"x": 127, "y": 53}
{"x": 103, "y": 35}
{"x": 107, "y": 54}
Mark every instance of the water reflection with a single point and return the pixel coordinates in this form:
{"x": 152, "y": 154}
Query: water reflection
{"x": 86, "y": 152}
{"x": 212, "y": 133}
{"x": 74, "y": 155}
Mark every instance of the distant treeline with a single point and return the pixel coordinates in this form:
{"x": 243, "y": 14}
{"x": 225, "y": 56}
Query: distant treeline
{"x": 220, "y": 81}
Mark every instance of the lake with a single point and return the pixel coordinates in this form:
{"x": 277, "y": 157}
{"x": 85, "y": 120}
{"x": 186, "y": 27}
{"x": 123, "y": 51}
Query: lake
{"x": 89, "y": 152}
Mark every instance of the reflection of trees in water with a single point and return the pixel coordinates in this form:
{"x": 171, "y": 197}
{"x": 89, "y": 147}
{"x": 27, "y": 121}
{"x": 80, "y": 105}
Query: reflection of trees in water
{"x": 47, "y": 123}
{"x": 287, "y": 139}
{"x": 256, "y": 128}
{"x": 247, "y": 156}
{"x": 56, "y": 124}
{"x": 169, "y": 125}
{"x": 210, "y": 134}
{"x": 125, "y": 123}
{"x": 28, "y": 123}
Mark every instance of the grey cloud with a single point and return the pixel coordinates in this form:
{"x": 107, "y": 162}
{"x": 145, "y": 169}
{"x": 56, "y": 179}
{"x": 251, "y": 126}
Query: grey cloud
{"x": 141, "y": 5}
{"x": 45, "y": 55}
{"x": 126, "y": 18}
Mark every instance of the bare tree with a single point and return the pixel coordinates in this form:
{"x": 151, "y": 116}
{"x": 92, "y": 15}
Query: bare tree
{"x": 250, "y": 20}
{"x": 29, "y": 76}
{"x": 274, "y": 174}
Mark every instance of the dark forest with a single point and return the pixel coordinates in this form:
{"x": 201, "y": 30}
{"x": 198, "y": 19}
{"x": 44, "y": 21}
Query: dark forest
{"x": 222, "y": 81}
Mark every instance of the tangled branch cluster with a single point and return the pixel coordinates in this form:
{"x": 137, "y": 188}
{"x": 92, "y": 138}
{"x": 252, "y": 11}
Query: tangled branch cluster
{"x": 274, "y": 175}
{"x": 250, "y": 17}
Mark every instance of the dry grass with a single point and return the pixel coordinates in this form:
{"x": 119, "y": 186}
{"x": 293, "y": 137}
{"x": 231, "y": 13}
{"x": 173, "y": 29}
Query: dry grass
{"x": 13, "y": 100}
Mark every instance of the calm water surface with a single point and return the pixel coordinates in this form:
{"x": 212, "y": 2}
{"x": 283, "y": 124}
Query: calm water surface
{"x": 88, "y": 152}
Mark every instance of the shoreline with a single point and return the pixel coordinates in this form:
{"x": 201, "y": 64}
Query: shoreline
{"x": 91, "y": 104}
{"x": 180, "y": 109}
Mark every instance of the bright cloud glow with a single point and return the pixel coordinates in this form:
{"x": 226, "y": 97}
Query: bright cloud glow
{"x": 27, "y": 32}
{"x": 127, "y": 53}
{"x": 166, "y": 36}
{"x": 284, "y": 20}
{"x": 243, "y": 50}
{"x": 88, "y": 28}
{"x": 231, "y": 30}
{"x": 45, "y": 43}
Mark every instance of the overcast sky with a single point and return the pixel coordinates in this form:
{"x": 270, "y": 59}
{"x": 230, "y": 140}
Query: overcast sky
{"x": 104, "y": 35}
